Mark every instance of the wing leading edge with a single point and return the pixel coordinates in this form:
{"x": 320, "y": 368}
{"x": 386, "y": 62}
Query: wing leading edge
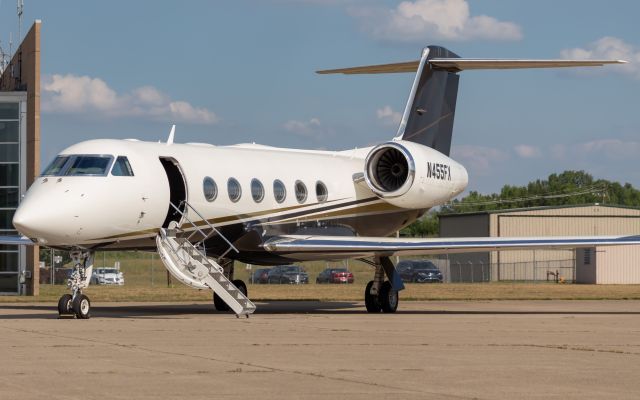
{"x": 334, "y": 246}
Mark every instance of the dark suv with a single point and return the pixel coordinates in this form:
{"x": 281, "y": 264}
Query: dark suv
{"x": 419, "y": 271}
{"x": 288, "y": 274}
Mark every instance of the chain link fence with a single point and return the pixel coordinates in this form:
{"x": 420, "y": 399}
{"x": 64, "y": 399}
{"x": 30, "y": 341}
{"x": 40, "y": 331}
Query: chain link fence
{"x": 529, "y": 271}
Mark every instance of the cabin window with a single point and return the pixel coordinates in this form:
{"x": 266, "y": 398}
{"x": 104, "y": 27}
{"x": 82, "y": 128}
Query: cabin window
{"x": 301, "y": 192}
{"x": 121, "y": 167}
{"x": 89, "y": 166}
{"x": 234, "y": 190}
{"x": 210, "y": 189}
{"x": 56, "y": 166}
{"x": 279, "y": 191}
{"x": 257, "y": 190}
{"x": 321, "y": 192}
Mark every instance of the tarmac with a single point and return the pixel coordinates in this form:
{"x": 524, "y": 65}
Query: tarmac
{"x": 310, "y": 350}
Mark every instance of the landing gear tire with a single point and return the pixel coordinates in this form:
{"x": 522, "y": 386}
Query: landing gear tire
{"x": 219, "y": 303}
{"x": 388, "y": 298}
{"x": 240, "y": 285}
{"x": 81, "y": 306}
{"x": 371, "y": 300}
{"x": 64, "y": 305}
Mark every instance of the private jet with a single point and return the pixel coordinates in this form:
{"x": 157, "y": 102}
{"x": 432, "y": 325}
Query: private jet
{"x": 202, "y": 207}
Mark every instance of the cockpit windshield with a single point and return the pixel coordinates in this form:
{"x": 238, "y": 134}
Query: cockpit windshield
{"x": 56, "y": 166}
{"x": 80, "y": 165}
{"x": 89, "y": 165}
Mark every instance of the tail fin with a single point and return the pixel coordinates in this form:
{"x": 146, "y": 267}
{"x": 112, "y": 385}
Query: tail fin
{"x": 428, "y": 115}
{"x": 430, "y": 110}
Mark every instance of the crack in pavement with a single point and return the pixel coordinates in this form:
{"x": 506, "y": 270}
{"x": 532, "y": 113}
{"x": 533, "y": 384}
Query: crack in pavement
{"x": 241, "y": 363}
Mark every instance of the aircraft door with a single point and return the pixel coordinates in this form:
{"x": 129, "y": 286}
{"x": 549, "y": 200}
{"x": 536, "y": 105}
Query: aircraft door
{"x": 177, "y": 188}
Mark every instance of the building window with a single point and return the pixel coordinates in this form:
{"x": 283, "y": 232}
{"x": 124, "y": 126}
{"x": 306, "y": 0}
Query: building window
{"x": 321, "y": 192}
{"x": 234, "y": 190}
{"x": 121, "y": 167}
{"x": 257, "y": 190}
{"x": 210, "y": 189}
{"x": 10, "y": 159}
{"x": 587, "y": 257}
{"x": 279, "y": 191}
{"x": 301, "y": 192}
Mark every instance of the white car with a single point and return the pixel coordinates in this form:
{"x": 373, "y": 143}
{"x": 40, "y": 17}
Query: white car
{"x": 107, "y": 276}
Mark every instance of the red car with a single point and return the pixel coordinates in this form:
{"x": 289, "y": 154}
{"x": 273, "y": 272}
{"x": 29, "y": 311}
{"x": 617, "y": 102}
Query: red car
{"x": 335, "y": 275}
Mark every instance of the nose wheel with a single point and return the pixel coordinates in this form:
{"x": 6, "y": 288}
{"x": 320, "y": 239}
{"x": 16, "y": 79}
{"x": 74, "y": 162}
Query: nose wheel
{"x": 77, "y": 304}
{"x": 79, "y": 307}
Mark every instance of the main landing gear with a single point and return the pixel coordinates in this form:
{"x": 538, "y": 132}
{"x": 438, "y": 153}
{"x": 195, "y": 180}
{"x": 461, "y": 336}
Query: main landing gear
{"x": 381, "y": 295}
{"x": 77, "y": 304}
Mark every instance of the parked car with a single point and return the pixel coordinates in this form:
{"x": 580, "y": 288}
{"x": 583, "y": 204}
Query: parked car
{"x": 419, "y": 271}
{"x": 335, "y": 275}
{"x": 107, "y": 276}
{"x": 261, "y": 275}
{"x": 288, "y": 274}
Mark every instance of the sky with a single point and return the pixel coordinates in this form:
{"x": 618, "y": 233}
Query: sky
{"x": 243, "y": 71}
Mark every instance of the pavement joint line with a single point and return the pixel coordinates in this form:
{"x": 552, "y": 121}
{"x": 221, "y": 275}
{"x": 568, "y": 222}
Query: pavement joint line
{"x": 566, "y": 347}
{"x": 246, "y": 364}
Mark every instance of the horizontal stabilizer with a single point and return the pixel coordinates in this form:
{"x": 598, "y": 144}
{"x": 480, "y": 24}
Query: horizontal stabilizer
{"x": 461, "y": 64}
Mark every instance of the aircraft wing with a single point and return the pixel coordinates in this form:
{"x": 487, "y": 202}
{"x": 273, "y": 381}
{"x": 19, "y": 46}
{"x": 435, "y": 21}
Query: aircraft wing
{"x": 339, "y": 246}
{"x": 16, "y": 240}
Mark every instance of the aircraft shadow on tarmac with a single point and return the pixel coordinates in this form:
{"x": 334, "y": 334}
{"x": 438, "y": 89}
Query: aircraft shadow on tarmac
{"x": 159, "y": 311}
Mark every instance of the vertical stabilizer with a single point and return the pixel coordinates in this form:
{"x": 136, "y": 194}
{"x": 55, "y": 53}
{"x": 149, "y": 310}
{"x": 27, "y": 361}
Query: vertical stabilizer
{"x": 430, "y": 110}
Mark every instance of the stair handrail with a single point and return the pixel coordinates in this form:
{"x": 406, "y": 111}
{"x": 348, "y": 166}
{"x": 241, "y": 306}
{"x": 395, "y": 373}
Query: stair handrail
{"x": 213, "y": 228}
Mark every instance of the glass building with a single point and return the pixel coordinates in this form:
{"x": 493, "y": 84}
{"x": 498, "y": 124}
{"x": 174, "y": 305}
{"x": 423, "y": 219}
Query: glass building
{"x": 13, "y": 134}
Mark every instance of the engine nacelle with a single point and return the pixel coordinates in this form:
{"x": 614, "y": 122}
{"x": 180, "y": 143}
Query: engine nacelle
{"x": 410, "y": 175}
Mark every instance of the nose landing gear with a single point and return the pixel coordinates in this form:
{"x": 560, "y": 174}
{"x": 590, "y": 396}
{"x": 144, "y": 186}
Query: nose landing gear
{"x": 77, "y": 304}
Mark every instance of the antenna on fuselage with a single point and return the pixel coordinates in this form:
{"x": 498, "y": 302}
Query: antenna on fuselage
{"x": 173, "y": 131}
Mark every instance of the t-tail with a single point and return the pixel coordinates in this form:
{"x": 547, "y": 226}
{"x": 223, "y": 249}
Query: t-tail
{"x": 430, "y": 111}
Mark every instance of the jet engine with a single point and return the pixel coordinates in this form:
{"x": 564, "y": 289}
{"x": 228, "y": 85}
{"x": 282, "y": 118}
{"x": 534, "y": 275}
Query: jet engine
{"x": 410, "y": 175}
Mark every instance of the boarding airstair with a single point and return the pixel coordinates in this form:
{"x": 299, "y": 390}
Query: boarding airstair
{"x": 183, "y": 253}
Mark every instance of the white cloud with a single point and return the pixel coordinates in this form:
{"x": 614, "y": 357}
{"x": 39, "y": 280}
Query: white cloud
{"x": 478, "y": 159}
{"x": 527, "y": 151}
{"x": 388, "y": 116}
{"x": 81, "y": 94}
{"x": 609, "y": 48}
{"x": 424, "y": 20}
{"x": 309, "y": 129}
{"x": 609, "y": 149}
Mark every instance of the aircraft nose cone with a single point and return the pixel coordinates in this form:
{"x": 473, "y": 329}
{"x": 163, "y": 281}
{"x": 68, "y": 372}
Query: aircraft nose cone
{"x": 27, "y": 221}
{"x": 21, "y": 221}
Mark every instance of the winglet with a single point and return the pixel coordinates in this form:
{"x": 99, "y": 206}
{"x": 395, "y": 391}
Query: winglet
{"x": 171, "y": 134}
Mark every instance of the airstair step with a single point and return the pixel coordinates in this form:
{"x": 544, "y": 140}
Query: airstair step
{"x": 188, "y": 264}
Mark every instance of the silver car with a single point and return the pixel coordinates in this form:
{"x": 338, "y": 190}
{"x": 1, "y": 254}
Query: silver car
{"x": 107, "y": 276}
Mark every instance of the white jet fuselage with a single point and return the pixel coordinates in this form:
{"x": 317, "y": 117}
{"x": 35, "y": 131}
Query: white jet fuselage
{"x": 126, "y": 212}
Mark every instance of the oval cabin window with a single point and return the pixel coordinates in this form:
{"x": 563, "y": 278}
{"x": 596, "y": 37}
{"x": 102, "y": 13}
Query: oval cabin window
{"x": 279, "y": 191}
{"x": 257, "y": 190}
{"x": 210, "y": 189}
{"x": 234, "y": 189}
{"x": 301, "y": 192}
